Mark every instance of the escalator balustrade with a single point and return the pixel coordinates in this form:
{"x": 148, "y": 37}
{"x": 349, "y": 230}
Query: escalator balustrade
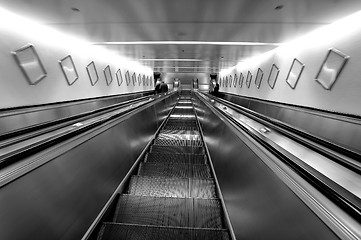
{"x": 173, "y": 195}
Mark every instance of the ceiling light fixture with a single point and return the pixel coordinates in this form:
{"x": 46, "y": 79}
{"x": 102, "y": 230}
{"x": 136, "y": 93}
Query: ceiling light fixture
{"x": 184, "y": 67}
{"x": 173, "y": 59}
{"x": 187, "y": 43}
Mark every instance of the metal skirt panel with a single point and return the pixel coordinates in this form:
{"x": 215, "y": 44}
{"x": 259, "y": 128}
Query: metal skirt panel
{"x": 61, "y": 198}
{"x": 259, "y": 204}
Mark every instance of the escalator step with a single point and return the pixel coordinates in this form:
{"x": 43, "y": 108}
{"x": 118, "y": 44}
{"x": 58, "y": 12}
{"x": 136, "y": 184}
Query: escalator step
{"x": 164, "y": 141}
{"x": 159, "y": 187}
{"x": 179, "y": 136}
{"x": 207, "y": 214}
{"x": 165, "y": 211}
{"x": 165, "y": 170}
{"x": 201, "y": 171}
{"x": 177, "y": 127}
{"x": 143, "y": 232}
{"x": 174, "y": 170}
{"x": 176, "y": 149}
{"x": 172, "y": 187}
{"x": 203, "y": 188}
{"x": 175, "y": 158}
{"x": 159, "y": 211}
{"x": 181, "y": 111}
{"x": 181, "y": 121}
{"x": 180, "y": 132}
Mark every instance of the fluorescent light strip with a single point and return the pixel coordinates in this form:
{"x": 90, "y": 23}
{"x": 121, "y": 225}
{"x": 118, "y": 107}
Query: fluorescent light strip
{"x": 172, "y": 59}
{"x": 183, "y": 67}
{"x": 187, "y": 43}
{"x": 184, "y": 107}
{"x": 181, "y": 116}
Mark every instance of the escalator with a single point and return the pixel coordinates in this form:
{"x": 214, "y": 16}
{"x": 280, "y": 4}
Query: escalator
{"x": 173, "y": 193}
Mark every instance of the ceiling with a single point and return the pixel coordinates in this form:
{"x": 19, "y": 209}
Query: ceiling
{"x": 217, "y": 21}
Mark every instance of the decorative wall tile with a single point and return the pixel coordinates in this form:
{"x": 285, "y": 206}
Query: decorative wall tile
{"x": 30, "y": 64}
{"x": 139, "y": 79}
{"x": 235, "y": 80}
{"x": 118, "y": 74}
{"x": 68, "y": 68}
{"x": 241, "y": 78}
{"x": 92, "y": 73}
{"x": 108, "y": 75}
{"x": 134, "y": 79}
{"x": 249, "y": 79}
{"x": 331, "y": 68}
{"x": 294, "y": 73}
{"x": 259, "y": 77}
{"x": 127, "y": 78}
{"x": 273, "y": 75}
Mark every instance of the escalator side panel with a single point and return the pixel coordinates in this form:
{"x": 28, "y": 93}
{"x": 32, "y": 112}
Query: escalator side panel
{"x": 13, "y": 119}
{"x": 61, "y": 198}
{"x": 259, "y": 204}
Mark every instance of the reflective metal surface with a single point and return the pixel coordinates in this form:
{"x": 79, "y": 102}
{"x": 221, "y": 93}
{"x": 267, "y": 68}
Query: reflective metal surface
{"x": 172, "y": 188}
{"x": 260, "y": 205}
{"x": 15, "y": 119}
{"x": 340, "y": 130}
{"x": 59, "y": 200}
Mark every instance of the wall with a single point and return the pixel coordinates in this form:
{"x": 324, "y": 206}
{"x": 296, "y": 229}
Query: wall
{"x": 52, "y": 46}
{"x": 311, "y": 50}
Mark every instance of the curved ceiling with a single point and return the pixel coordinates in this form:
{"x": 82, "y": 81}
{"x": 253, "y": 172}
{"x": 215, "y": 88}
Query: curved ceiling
{"x": 211, "y": 21}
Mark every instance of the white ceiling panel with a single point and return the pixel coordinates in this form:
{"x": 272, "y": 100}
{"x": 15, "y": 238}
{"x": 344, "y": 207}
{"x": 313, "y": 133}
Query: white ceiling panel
{"x": 186, "y": 20}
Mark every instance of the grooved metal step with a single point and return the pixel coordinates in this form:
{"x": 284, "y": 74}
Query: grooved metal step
{"x": 173, "y": 195}
{"x": 173, "y": 170}
{"x": 177, "y": 142}
{"x": 175, "y": 126}
{"x": 176, "y": 149}
{"x": 180, "y": 136}
{"x": 175, "y": 158}
{"x": 180, "y": 132}
{"x": 172, "y": 187}
{"x": 159, "y": 211}
{"x": 142, "y": 232}
{"x": 183, "y": 111}
{"x": 181, "y": 123}
{"x": 165, "y": 211}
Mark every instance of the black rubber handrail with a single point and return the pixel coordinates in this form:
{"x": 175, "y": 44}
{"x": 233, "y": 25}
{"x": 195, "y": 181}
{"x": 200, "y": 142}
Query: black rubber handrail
{"x": 26, "y": 151}
{"x": 297, "y": 135}
{"x": 42, "y": 128}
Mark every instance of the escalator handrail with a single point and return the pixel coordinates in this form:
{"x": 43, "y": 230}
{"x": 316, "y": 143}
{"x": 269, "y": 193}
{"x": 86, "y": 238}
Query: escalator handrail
{"x": 340, "y": 196}
{"x": 302, "y": 137}
{"x": 72, "y": 131}
{"x": 66, "y": 120}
